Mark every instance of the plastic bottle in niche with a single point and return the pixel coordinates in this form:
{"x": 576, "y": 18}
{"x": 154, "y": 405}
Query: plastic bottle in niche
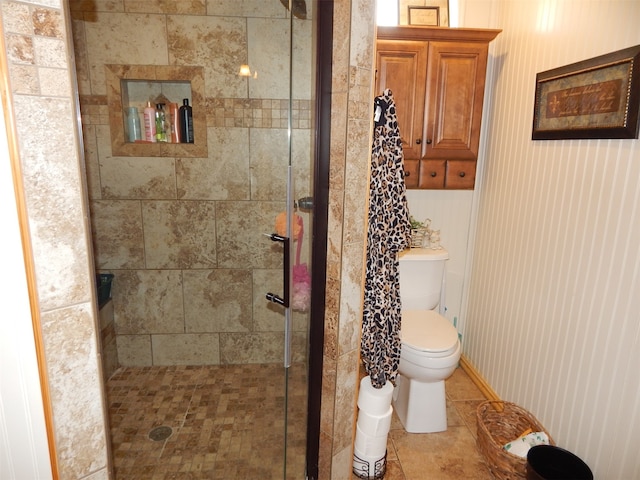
{"x": 161, "y": 123}
{"x": 133, "y": 125}
{"x": 149, "y": 114}
{"x": 175, "y": 122}
{"x": 186, "y": 122}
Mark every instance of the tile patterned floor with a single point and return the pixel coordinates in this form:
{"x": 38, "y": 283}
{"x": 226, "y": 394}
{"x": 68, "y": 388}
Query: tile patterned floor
{"x": 449, "y": 455}
{"x": 223, "y": 427}
{"x": 227, "y": 422}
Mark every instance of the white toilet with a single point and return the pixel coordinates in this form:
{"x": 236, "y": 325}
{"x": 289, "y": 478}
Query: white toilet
{"x": 430, "y": 348}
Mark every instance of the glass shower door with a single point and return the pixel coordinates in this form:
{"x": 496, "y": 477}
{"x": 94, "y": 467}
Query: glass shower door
{"x": 187, "y": 229}
{"x": 291, "y": 72}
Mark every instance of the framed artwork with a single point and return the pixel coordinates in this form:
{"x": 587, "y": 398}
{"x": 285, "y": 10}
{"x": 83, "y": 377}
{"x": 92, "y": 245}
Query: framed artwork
{"x": 433, "y": 13}
{"x": 428, "y": 16}
{"x": 594, "y": 98}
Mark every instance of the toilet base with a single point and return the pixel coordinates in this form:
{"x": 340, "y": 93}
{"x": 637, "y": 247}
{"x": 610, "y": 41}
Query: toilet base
{"x": 421, "y": 407}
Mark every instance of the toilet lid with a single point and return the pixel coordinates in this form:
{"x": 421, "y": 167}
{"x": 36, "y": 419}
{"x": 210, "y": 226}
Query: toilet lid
{"x": 427, "y": 331}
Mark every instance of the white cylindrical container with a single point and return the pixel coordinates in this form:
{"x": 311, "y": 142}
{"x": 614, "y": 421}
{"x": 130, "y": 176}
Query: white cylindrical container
{"x": 133, "y": 125}
{"x": 375, "y": 425}
{"x": 374, "y": 401}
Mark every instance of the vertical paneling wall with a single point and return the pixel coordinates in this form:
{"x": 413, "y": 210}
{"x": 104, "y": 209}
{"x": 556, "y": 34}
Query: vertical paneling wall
{"x": 553, "y": 306}
{"x": 24, "y": 450}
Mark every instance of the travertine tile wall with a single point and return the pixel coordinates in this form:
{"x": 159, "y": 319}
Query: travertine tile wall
{"x": 37, "y": 43}
{"x": 353, "y": 48}
{"x": 78, "y": 402}
{"x": 184, "y": 236}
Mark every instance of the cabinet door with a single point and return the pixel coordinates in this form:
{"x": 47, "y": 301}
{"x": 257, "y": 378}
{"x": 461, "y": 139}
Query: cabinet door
{"x": 402, "y": 67}
{"x": 455, "y": 89}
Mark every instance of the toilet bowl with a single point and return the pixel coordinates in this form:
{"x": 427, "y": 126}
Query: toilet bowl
{"x": 429, "y": 354}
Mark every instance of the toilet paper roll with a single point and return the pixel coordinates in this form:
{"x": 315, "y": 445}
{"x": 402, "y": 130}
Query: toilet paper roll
{"x": 375, "y": 425}
{"x": 370, "y": 446}
{"x": 367, "y": 466}
{"x": 374, "y": 401}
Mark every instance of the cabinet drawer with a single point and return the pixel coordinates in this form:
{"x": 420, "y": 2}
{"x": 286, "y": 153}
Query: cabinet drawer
{"x": 461, "y": 174}
{"x": 432, "y": 173}
{"x": 411, "y": 173}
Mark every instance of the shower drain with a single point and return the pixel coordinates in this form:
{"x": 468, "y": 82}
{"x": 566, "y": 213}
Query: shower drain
{"x": 158, "y": 434}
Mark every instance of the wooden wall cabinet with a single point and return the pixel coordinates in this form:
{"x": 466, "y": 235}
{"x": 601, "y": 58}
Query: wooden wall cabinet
{"x": 437, "y": 76}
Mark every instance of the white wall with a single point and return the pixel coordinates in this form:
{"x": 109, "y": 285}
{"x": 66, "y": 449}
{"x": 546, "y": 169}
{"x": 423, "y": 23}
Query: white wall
{"x": 450, "y": 212}
{"x": 552, "y": 320}
{"x": 23, "y": 439}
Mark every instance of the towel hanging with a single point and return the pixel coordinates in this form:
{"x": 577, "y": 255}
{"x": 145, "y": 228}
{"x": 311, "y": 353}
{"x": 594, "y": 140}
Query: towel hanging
{"x": 389, "y": 232}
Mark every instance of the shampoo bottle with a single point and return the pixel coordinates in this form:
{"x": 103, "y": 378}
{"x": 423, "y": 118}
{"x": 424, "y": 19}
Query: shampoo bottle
{"x": 186, "y": 122}
{"x": 161, "y": 123}
{"x": 133, "y": 125}
{"x": 149, "y": 123}
{"x": 175, "y": 122}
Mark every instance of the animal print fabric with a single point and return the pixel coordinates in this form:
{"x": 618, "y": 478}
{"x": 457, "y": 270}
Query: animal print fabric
{"x": 389, "y": 232}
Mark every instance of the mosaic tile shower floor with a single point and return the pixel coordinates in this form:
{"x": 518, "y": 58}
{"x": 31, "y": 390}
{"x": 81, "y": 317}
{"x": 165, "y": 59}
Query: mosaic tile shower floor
{"x": 222, "y": 427}
{"x": 226, "y": 422}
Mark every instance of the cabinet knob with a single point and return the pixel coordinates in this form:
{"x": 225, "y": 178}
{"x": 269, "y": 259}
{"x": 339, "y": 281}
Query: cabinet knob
{"x": 433, "y": 174}
{"x": 418, "y": 141}
{"x": 407, "y": 173}
{"x": 428, "y": 141}
{"x": 462, "y": 174}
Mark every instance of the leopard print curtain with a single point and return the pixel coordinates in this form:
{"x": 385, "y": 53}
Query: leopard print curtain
{"x": 389, "y": 232}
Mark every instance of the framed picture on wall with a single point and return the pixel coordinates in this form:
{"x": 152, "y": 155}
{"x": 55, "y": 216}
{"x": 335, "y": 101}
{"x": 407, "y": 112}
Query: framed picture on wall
{"x": 428, "y": 16}
{"x": 434, "y": 13}
{"x": 595, "y": 98}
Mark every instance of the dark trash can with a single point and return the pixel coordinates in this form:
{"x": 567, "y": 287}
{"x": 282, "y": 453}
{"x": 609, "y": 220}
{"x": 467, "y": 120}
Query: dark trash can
{"x": 547, "y": 462}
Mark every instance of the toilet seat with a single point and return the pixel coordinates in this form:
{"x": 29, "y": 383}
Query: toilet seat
{"x": 427, "y": 332}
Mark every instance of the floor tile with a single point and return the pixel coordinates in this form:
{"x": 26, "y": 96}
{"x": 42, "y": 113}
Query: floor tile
{"x": 449, "y": 455}
{"x": 460, "y": 387}
{"x": 222, "y": 426}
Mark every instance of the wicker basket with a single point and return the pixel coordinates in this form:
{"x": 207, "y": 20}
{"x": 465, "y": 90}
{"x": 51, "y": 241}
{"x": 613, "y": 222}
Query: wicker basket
{"x": 500, "y": 423}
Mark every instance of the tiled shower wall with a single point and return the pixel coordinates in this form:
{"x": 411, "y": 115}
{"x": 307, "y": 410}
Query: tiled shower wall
{"x": 41, "y": 83}
{"x": 184, "y": 236}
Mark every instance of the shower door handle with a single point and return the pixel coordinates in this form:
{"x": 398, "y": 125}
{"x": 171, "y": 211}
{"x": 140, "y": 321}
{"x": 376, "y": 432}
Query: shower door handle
{"x": 286, "y": 267}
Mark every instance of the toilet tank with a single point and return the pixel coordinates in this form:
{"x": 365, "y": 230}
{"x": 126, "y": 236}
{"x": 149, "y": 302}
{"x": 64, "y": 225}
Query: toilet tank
{"x": 421, "y": 275}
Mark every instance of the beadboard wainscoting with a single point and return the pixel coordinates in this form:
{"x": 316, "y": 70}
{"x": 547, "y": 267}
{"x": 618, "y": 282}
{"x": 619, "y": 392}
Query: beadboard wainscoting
{"x": 552, "y": 302}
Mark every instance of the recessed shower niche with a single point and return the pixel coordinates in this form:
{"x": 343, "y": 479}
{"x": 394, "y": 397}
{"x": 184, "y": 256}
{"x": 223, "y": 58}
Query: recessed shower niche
{"x": 134, "y": 86}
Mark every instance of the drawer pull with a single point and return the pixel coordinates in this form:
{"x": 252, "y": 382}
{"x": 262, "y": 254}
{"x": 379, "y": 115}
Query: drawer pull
{"x": 407, "y": 173}
{"x": 462, "y": 174}
{"x": 433, "y": 174}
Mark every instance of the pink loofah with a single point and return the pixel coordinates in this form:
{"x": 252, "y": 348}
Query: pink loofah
{"x": 301, "y": 295}
{"x": 301, "y": 291}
